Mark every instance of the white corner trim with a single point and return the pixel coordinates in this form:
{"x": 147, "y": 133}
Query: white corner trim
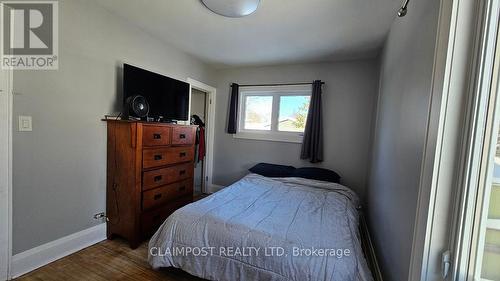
{"x": 32, "y": 259}
{"x": 214, "y": 188}
{"x": 6, "y": 101}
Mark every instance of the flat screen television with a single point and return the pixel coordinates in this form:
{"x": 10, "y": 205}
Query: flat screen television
{"x": 167, "y": 97}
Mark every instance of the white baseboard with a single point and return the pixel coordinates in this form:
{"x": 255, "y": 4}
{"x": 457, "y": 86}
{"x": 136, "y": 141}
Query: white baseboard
{"x": 212, "y": 188}
{"x": 32, "y": 259}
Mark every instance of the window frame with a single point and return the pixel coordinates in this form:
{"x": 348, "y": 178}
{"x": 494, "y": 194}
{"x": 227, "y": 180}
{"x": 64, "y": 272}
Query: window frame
{"x": 276, "y": 92}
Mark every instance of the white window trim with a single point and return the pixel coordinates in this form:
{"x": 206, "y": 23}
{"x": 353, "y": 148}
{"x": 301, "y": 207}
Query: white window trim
{"x": 276, "y": 92}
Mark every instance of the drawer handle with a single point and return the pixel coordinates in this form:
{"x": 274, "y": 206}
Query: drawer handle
{"x": 157, "y": 196}
{"x": 182, "y": 188}
{"x": 182, "y": 154}
{"x": 183, "y": 172}
{"x": 182, "y": 136}
{"x": 156, "y": 136}
{"x": 158, "y": 157}
{"x": 158, "y": 178}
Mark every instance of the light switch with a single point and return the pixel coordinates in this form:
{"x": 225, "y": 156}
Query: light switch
{"x": 25, "y": 124}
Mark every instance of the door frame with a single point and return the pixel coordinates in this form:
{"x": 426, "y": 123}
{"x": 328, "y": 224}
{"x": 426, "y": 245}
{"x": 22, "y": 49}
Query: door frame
{"x": 6, "y": 109}
{"x": 451, "y": 96}
{"x": 207, "y": 183}
{"x": 457, "y": 66}
{"x": 472, "y": 196}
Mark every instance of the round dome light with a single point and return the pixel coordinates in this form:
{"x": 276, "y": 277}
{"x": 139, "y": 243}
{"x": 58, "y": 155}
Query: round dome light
{"x": 232, "y": 8}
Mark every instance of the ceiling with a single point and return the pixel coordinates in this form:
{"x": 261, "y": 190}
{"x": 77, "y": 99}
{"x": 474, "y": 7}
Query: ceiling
{"x": 279, "y": 32}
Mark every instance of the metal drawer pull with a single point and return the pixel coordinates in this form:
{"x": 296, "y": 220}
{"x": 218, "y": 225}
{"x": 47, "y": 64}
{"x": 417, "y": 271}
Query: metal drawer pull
{"x": 156, "y": 136}
{"x": 158, "y": 178}
{"x": 157, "y": 196}
{"x": 182, "y": 188}
{"x": 158, "y": 157}
{"x": 182, "y": 154}
{"x": 182, "y": 172}
{"x": 182, "y": 136}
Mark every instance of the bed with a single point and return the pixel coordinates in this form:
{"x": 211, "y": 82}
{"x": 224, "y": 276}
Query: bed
{"x": 263, "y": 228}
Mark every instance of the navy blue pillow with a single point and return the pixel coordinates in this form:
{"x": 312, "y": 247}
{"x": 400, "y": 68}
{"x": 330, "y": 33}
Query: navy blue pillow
{"x": 272, "y": 170}
{"x": 316, "y": 174}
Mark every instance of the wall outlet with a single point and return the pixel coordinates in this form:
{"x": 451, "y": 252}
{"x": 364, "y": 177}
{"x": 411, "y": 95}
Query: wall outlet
{"x": 100, "y": 216}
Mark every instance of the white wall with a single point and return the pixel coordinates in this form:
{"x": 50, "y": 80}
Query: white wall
{"x": 59, "y": 169}
{"x": 349, "y": 96}
{"x": 403, "y": 105}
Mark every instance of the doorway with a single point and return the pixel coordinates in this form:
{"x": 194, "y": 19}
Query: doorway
{"x": 202, "y": 104}
{"x": 199, "y": 118}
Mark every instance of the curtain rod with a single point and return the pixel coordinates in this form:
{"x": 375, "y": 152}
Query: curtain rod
{"x": 278, "y": 84}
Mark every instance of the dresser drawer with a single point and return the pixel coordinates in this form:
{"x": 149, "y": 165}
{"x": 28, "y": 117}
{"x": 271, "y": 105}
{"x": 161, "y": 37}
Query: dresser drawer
{"x": 151, "y": 220}
{"x": 156, "y": 178}
{"x": 166, "y": 194}
{"x": 155, "y": 135}
{"x": 183, "y": 135}
{"x": 156, "y": 157}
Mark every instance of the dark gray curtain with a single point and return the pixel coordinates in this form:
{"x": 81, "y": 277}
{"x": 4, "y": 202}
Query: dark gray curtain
{"x": 312, "y": 146}
{"x": 232, "y": 124}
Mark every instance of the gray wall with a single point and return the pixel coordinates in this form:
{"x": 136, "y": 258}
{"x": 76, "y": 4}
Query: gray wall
{"x": 405, "y": 87}
{"x": 60, "y": 168}
{"x": 348, "y": 103}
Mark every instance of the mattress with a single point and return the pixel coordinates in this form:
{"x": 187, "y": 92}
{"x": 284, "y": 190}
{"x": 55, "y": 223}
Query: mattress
{"x": 266, "y": 229}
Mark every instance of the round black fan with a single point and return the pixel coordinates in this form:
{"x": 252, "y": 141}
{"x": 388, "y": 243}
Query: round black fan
{"x": 137, "y": 106}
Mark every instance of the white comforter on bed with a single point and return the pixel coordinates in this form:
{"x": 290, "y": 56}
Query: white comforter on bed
{"x": 266, "y": 229}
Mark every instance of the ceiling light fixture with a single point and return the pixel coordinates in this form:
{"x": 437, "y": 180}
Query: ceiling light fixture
{"x": 232, "y": 8}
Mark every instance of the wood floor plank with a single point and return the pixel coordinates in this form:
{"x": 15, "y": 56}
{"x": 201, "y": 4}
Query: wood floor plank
{"x": 107, "y": 260}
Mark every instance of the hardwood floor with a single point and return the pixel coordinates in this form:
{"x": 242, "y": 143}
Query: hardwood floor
{"x": 108, "y": 260}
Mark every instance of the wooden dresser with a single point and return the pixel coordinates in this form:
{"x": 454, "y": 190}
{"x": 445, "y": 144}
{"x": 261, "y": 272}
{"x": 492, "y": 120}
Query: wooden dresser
{"x": 149, "y": 175}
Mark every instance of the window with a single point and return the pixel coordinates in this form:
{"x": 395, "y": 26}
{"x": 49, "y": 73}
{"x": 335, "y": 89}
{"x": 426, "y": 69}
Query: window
{"x": 258, "y": 112}
{"x": 488, "y": 257}
{"x": 479, "y": 227}
{"x": 276, "y": 113}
